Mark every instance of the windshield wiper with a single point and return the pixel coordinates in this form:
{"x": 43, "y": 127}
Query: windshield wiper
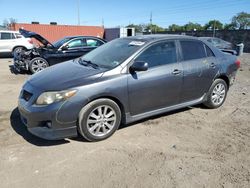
{"x": 88, "y": 63}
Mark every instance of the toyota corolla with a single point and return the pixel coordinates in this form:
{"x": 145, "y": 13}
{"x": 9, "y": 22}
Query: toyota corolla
{"x": 124, "y": 81}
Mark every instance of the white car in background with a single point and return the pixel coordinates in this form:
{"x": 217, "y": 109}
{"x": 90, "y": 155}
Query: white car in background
{"x": 13, "y": 42}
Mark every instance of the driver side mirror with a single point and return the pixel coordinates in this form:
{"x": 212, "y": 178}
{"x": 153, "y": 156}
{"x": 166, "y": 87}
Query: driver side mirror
{"x": 66, "y": 47}
{"x": 139, "y": 66}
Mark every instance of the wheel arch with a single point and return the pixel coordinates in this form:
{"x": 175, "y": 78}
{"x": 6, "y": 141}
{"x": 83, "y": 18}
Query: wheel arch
{"x": 225, "y": 78}
{"x": 17, "y": 47}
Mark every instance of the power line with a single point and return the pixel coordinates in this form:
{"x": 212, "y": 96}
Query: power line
{"x": 177, "y": 10}
{"x": 201, "y": 6}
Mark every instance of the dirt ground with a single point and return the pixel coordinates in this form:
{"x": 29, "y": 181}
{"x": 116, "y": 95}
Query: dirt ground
{"x": 193, "y": 147}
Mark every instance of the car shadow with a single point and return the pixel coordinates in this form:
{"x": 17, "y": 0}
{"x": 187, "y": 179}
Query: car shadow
{"x": 21, "y": 129}
{"x": 6, "y": 55}
{"x": 122, "y": 126}
{"x": 13, "y": 70}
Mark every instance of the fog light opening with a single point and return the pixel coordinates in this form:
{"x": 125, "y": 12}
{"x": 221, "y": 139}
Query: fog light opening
{"x": 48, "y": 124}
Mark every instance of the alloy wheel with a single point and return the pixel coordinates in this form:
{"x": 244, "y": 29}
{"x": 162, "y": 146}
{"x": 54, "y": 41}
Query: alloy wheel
{"x": 38, "y": 65}
{"x": 101, "y": 120}
{"x": 218, "y": 94}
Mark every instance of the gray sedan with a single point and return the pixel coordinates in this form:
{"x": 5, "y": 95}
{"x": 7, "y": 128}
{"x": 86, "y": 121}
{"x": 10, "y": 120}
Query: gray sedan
{"x": 124, "y": 81}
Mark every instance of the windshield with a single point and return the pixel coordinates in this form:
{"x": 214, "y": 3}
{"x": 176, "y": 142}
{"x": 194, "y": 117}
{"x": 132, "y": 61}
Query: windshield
{"x": 59, "y": 43}
{"x": 113, "y": 53}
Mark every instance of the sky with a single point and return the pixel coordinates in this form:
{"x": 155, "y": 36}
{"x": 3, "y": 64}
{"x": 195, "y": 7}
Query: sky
{"x": 115, "y": 13}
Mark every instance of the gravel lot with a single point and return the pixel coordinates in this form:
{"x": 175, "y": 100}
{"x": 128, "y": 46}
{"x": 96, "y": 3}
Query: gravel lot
{"x": 192, "y": 147}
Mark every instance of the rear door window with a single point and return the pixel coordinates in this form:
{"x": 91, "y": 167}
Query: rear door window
{"x": 6, "y": 36}
{"x": 159, "y": 54}
{"x": 18, "y": 36}
{"x": 93, "y": 42}
{"x": 192, "y": 50}
{"x": 209, "y": 51}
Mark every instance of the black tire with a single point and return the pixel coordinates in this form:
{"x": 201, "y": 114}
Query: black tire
{"x": 17, "y": 50}
{"x": 85, "y": 116}
{"x": 38, "y": 61}
{"x": 211, "y": 96}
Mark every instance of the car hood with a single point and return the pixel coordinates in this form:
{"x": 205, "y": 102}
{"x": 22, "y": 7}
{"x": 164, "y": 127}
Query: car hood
{"x": 30, "y": 34}
{"x": 65, "y": 75}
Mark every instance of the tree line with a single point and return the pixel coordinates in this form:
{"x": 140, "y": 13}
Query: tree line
{"x": 239, "y": 21}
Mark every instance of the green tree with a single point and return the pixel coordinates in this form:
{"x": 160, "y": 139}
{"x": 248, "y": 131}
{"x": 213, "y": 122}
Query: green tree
{"x": 192, "y": 26}
{"x": 213, "y": 24}
{"x": 241, "y": 20}
{"x": 175, "y": 27}
{"x": 154, "y": 28}
{"x": 229, "y": 26}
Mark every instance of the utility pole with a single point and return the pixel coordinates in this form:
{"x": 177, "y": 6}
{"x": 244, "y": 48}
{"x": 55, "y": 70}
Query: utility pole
{"x": 214, "y": 29}
{"x": 151, "y": 21}
{"x": 78, "y": 11}
{"x": 102, "y": 22}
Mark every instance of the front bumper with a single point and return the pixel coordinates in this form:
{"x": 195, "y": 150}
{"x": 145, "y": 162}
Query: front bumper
{"x": 21, "y": 65}
{"x": 42, "y": 121}
{"x": 43, "y": 124}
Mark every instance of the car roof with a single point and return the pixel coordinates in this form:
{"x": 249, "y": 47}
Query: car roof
{"x": 7, "y": 31}
{"x": 80, "y": 36}
{"x": 208, "y": 37}
{"x": 155, "y": 37}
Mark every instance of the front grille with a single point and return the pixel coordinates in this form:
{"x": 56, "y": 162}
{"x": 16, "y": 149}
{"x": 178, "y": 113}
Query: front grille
{"x": 26, "y": 95}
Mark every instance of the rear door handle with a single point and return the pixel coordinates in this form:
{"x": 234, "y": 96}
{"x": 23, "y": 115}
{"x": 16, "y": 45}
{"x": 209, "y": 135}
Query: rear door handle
{"x": 212, "y": 65}
{"x": 176, "y": 72}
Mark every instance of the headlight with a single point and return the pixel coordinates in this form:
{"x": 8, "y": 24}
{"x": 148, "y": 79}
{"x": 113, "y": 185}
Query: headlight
{"x": 51, "y": 97}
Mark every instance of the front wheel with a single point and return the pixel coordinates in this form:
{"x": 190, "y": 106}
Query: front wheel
{"x": 37, "y": 64}
{"x": 217, "y": 94}
{"x": 99, "y": 119}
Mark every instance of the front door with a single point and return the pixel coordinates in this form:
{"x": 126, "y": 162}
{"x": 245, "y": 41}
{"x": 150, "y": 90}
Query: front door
{"x": 160, "y": 85}
{"x": 74, "y": 49}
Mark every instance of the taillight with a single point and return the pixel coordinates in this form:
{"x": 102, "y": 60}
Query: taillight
{"x": 30, "y": 41}
{"x": 237, "y": 62}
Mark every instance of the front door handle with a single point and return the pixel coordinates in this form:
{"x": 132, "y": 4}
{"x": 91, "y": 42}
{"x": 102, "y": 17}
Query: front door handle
{"x": 176, "y": 72}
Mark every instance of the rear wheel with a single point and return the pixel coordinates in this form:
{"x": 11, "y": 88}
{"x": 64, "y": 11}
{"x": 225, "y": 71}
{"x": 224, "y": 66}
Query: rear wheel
{"x": 37, "y": 64}
{"x": 99, "y": 119}
{"x": 217, "y": 94}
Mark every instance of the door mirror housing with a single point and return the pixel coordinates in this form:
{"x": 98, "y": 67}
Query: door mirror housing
{"x": 66, "y": 47}
{"x": 139, "y": 66}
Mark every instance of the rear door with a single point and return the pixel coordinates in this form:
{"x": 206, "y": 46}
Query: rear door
{"x": 199, "y": 69}
{"x": 160, "y": 85}
{"x": 7, "y": 41}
